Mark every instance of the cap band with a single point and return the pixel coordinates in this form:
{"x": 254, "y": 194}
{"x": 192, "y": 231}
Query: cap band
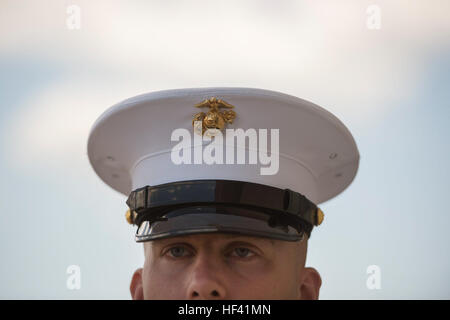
{"x": 150, "y": 202}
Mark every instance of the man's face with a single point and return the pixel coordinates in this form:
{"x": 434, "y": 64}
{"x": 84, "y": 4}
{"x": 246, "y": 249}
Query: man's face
{"x": 224, "y": 266}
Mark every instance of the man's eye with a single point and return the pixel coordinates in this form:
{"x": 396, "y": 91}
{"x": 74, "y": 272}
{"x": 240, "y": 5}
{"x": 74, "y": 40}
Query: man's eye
{"x": 178, "y": 252}
{"x": 242, "y": 252}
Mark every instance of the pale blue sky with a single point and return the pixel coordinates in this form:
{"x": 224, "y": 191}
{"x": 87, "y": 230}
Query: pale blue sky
{"x": 391, "y": 87}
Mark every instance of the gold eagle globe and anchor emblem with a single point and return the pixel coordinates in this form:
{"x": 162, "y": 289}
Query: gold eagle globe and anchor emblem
{"x": 214, "y": 120}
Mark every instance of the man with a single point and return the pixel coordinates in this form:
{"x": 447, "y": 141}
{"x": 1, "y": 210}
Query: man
{"x": 221, "y": 214}
{"x": 221, "y": 266}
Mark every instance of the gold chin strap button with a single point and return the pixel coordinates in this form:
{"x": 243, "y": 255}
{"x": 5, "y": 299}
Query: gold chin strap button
{"x": 128, "y": 217}
{"x": 319, "y": 216}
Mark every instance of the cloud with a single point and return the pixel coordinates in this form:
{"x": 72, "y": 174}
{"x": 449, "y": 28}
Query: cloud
{"x": 52, "y": 128}
{"x": 320, "y": 51}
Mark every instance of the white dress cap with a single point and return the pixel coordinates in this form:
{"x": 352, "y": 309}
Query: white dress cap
{"x": 131, "y": 145}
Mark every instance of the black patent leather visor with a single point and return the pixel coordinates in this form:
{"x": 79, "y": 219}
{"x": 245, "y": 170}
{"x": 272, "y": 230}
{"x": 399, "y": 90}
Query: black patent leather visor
{"x": 201, "y": 206}
{"x": 202, "y": 219}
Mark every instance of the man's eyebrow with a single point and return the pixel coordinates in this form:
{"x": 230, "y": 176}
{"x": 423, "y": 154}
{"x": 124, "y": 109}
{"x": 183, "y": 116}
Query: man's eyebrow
{"x": 249, "y": 238}
{"x": 231, "y": 236}
{"x": 161, "y": 242}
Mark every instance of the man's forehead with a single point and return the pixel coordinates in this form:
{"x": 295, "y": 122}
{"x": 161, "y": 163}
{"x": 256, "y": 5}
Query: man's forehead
{"x": 208, "y": 237}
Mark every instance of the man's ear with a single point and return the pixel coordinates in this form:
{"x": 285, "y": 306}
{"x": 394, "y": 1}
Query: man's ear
{"x": 309, "y": 289}
{"x": 136, "y": 288}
